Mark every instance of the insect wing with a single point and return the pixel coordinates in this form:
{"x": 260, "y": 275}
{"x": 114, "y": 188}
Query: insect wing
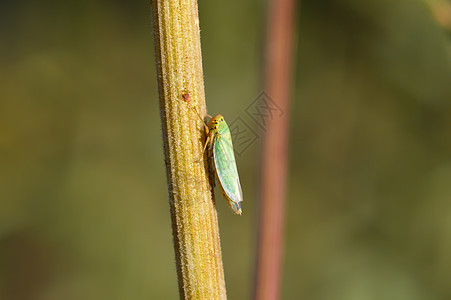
{"x": 226, "y": 170}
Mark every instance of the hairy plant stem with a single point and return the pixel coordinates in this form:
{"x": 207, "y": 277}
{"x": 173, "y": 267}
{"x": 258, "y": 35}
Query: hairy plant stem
{"x": 192, "y": 206}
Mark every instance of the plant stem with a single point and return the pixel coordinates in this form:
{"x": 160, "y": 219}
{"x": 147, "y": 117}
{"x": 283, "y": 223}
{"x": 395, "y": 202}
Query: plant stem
{"x": 278, "y": 63}
{"x": 192, "y": 207}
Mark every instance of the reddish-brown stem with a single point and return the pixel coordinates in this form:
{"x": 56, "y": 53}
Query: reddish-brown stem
{"x": 278, "y": 57}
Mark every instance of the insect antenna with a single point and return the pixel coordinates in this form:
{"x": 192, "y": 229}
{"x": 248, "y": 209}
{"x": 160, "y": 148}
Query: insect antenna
{"x": 186, "y": 97}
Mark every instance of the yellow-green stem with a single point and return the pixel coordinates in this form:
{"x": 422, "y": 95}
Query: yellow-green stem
{"x": 192, "y": 207}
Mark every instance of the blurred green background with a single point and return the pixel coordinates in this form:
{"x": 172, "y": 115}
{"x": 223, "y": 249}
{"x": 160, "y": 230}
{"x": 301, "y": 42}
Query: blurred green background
{"x": 84, "y": 209}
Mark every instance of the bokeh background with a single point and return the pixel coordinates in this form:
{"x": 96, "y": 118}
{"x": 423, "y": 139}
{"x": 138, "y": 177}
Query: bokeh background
{"x": 84, "y": 209}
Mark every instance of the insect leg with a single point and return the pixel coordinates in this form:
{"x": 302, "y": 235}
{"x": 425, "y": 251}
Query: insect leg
{"x": 207, "y": 141}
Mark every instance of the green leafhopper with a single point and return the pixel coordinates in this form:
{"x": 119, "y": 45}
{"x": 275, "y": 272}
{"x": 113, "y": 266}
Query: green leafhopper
{"x": 219, "y": 141}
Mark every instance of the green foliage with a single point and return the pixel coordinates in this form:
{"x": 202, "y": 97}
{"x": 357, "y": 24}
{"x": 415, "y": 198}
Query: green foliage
{"x": 81, "y": 164}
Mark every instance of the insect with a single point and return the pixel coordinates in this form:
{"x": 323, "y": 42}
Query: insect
{"x": 186, "y": 97}
{"x": 219, "y": 142}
